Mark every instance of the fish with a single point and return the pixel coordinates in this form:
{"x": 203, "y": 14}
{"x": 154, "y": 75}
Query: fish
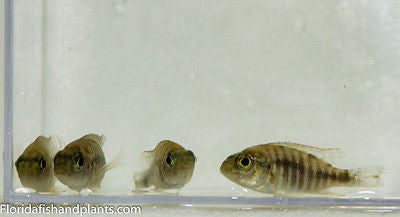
{"x": 82, "y": 164}
{"x": 286, "y": 168}
{"x": 170, "y": 167}
{"x": 35, "y": 165}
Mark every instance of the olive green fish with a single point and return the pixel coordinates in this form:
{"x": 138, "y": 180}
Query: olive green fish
{"x": 81, "y": 164}
{"x": 285, "y": 167}
{"x": 35, "y": 165}
{"x": 171, "y": 167}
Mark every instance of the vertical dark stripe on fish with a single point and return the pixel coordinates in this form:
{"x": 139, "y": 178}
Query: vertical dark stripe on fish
{"x": 344, "y": 176}
{"x": 306, "y": 163}
{"x": 334, "y": 175}
{"x": 289, "y": 154}
{"x": 278, "y": 176}
{"x": 272, "y": 167}
{"x": 301, "y": 169}
{"x": 294, "y": 170}
{"x": 281, "y": 159}
{"x": 278, "y": 180}
{"x": 296, "y": 174}
{"x": 318, "y": 177}
{"x": 325, "y": 178}
{"x": 285, "y": 172}
{"x": 310, "y": 174}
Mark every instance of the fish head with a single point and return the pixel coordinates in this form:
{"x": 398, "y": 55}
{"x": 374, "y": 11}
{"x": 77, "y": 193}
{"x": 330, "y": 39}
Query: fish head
{"x": 71, "y": 165}
{"x": 242, "y": 168}
{"x": 177, "y": 167}
{"x": 35, "y": 170}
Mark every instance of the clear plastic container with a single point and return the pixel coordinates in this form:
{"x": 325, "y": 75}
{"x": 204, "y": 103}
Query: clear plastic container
{"x": 215, "y": 77}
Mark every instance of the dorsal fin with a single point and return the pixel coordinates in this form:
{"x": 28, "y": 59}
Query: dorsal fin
{"x": 148, "y": 156}
{"x": 59, "y": 142}
{"x": 98, "y": 139}
{"x": 328, "y": 154}
{"x": 166, "y": 145}
{"x": 44, "y": 145}
{"x": 54, "y": 145}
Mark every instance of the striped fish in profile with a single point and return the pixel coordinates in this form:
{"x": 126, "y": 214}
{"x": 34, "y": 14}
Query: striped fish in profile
{"x": 285, "y": 167}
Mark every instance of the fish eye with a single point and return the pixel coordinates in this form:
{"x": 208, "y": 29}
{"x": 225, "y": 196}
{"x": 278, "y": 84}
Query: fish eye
{"x": 244, "y": 161}
{"x": 169, "y": 160}
{"x": 19, "y": 162}
{"x": 79, "y": 161}
{"x": 42, "y": 164}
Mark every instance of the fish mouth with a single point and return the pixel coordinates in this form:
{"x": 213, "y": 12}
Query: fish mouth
{"x": 191, "y": 155}
{"x": 227, "y": 164}
{"x": 227, "y": 168}
{"x": 56, "y": 161}
{"x": 224, "y": 168}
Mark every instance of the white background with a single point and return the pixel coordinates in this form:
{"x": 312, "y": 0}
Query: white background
{"x": 213, "y": 77}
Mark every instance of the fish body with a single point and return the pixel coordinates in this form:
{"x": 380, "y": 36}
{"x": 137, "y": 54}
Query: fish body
{"x": 81, "y": 164}
{"x": 35, "y": 165}
{"x": 291, "y": 168}
{"x": 171, "y": 167}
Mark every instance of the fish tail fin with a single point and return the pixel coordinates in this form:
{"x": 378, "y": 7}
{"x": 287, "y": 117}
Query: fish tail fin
{"x": 367, "y": 176}
{"x": 115, "y": 162}
{"x": 140, "y": 180}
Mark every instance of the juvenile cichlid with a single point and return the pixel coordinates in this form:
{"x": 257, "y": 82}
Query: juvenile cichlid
{"x": 81, "y": 164}
{"x": 289, "y": 168}
{"x": 171, "y": 167}
{"x": 35, "y": 165}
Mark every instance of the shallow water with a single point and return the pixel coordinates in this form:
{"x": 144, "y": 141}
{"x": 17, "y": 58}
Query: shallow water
{"x": 215, "y": 77}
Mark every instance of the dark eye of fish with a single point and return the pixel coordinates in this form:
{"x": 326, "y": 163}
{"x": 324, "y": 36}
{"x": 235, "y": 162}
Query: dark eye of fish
{"x": 42, "y": 164}
{"x": 80, "y": 161}
{"x": 19, "y": 162}
{"x": 244, "y": 162}
{"x": 169, "y": 160}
